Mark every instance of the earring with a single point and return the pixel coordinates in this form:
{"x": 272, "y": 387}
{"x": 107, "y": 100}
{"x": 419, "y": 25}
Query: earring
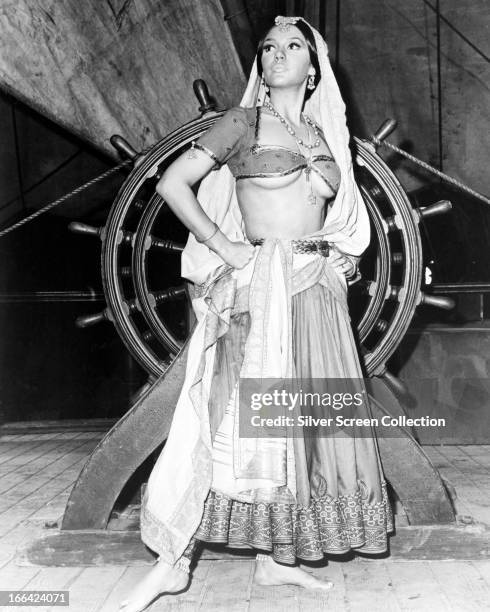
{"x": 311, "y": 81}
{"x": 265, "y": 86}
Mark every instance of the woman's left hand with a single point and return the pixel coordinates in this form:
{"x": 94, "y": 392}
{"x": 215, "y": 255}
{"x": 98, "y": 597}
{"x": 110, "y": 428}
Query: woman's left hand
{"x": 341, "y": 263}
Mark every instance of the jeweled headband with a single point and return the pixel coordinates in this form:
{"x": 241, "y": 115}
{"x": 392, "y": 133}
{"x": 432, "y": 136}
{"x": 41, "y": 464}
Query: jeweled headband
{"x": 284, "y": 23}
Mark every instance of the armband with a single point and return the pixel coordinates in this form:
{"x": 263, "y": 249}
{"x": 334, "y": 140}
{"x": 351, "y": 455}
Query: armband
{"x": 204, "y": 240}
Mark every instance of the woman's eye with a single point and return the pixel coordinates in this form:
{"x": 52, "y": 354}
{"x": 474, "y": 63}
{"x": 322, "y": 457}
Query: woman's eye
{"x": 267, "y": 48}
{"x": 294, "y": 44}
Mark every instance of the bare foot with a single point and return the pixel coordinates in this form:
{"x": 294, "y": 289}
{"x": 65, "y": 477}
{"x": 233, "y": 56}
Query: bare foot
{"x": 270, "y": 573}
{"x": 162, "y": 578}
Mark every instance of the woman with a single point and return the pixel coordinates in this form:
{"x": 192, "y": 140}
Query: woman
{"x": 277, "y": 227}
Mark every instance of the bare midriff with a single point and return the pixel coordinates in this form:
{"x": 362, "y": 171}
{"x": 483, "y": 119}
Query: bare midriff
{"x": 278, "y": 207}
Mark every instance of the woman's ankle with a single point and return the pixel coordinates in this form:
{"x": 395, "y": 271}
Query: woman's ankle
{"x": 183, "y": 564}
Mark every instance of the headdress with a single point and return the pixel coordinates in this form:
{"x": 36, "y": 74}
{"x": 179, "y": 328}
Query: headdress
{"x": 347, "y": 221}
{"x": 284, "y": 22}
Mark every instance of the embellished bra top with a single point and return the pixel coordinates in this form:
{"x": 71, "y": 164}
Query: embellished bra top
{"x": 233, "y": 140}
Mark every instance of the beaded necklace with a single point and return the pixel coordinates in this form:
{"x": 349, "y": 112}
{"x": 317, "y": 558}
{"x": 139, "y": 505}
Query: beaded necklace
{"x": 308, "y": 145}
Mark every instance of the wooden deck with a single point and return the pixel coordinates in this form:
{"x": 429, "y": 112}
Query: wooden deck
{"x": 38, "y": 470}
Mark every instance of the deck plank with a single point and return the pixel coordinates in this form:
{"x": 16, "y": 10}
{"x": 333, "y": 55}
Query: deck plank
{"x": 483, "y": 569}
{"x": 314, "y": 601}
{"x": 54, "y": 509}
{"x": 472, "y": 492}
{"x": 16, "y": 537}
{"x": 35, "y": 483}
{"x": 463, "y": 585}
{"x": 475, "y": 472}
{"x": 189, "y": 599}
{"x": 482, "y": 459}
{"x": 8, "y": 443}
{"x": 40, "y": 495}
{"x": 47, "y": 490}
{"x": 416, "y": 588}
{"x": 89, "y": 589}
{"x": 229, "y": 593}
{"x": 51, "y": 579}
{"x": 368, "y": 586}
{"x": 121, "y": 587}
{"x": 32, "y": 462}
{"x": 473, "y": 484}
{"x": 13, "y": 450}
{"x": 14, "y": 577}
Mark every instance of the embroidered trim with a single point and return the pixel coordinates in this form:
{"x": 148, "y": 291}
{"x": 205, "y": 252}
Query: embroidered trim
{"x": 260, "y": 148}
{"x": 327, "y": 525}
{"x": 264, "y": 148}
{"x": 327, "y": 181}
{"x": 270, "y": 174}
{"x": 197, "y": 145}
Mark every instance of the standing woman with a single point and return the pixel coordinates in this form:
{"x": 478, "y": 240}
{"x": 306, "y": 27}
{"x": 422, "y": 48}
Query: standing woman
{"x": 277, "y": 228}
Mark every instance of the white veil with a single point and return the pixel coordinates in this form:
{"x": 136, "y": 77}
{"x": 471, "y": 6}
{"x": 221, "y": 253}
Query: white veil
{"x": 347, "y": 221}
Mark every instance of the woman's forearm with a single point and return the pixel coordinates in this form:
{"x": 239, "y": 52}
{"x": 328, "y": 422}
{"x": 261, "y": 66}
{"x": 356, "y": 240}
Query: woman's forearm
{"x": 182, "y": 201}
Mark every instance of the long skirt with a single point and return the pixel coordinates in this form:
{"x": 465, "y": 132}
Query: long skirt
{"x": 349, "y": 506}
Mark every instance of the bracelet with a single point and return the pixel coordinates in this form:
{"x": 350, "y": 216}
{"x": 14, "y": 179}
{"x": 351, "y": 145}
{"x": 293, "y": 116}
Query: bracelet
{"x": 355, "y": 275}
{"x": 354, "y": 279}
{"x": 183, "y": 564}
{"x": 203, "y": 240}
{"x": 353, "y": 271}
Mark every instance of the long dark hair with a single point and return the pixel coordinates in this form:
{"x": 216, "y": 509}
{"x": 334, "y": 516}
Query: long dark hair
{"x": 310, "y": 41}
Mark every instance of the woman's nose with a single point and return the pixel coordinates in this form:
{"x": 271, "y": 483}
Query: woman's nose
{"x": 278, "y": 55}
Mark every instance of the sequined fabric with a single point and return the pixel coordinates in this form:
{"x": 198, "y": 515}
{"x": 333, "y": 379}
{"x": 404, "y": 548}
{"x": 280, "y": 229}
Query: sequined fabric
{"x": 349, "y": 507}
{"x": 330, "y": 485}
{"x": 232, "y": 140}
{"x": 328, "y": 525}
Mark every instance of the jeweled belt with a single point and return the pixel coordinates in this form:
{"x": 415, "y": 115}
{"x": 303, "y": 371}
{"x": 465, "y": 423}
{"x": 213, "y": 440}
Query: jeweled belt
{"x": 302, "y": 246}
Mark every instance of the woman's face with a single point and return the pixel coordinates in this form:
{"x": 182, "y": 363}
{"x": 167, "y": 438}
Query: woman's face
{"x": 285, "y": 58}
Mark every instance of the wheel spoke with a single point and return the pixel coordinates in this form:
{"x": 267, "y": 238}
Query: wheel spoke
{"x": 170, "y": 246}
{"x": 170, "y": 294}
{"x": 439, "y": 301}
{"x": 92, "y": 319}
{"x": 439, "y": 208}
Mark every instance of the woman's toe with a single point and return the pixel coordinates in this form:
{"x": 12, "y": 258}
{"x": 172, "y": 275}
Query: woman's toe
{"x": 324, "y": 585}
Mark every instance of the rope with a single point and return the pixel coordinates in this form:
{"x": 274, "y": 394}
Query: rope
{"x": 433, "y": 170}
{"x": 112, "y": 171}
{"x": 65, "y": 197}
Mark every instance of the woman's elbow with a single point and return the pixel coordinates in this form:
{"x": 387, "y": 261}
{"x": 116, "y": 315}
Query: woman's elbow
{"x": 171, "y": 183}
{"x": 165, "y": 186}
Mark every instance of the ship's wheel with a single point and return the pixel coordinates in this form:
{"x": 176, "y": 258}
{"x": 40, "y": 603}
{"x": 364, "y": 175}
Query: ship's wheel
{"x": 148, "y": 304}
{"x": 141, "y": 245}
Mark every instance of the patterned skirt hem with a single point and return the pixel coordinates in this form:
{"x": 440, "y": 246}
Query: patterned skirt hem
{"x": 328, "y": 526}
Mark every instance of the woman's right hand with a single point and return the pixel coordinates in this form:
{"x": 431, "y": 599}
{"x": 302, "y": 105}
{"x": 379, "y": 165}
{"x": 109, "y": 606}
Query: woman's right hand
{"x": 237, "y": 254}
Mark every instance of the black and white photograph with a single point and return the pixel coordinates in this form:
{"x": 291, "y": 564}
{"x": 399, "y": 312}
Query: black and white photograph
{"x": 245, "y": 305}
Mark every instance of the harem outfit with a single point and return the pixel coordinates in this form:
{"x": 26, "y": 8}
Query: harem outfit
{"x": 284, "y": 315}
